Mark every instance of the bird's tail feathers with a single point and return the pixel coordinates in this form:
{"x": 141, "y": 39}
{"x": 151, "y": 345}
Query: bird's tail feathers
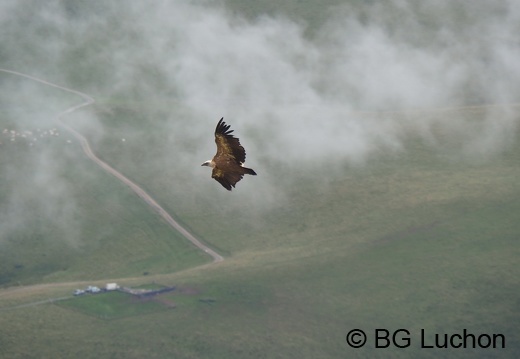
{"x": 249, "y": 171}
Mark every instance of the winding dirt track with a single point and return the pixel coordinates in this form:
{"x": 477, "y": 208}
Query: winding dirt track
{"x": 88, "y": 100}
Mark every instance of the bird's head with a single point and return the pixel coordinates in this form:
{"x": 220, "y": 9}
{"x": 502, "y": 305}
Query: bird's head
{"x": 209, "y": 163}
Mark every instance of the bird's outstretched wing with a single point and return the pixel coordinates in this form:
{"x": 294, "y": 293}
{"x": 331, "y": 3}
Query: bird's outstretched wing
{"x": 228, "y": 146}
{"x": 226, "y": 179}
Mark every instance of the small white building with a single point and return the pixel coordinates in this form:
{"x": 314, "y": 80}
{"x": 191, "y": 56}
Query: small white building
{"x": 112, "y": 286}
{"x": 92, "y": 289}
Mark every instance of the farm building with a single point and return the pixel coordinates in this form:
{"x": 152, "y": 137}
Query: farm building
{"x": 112, "y": 286}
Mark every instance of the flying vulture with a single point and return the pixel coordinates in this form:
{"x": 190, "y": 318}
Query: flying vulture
{"x": 227, "y": 163}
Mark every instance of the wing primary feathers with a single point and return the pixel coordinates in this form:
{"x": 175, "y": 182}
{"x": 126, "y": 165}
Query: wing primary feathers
{"x": 223, "y": 128}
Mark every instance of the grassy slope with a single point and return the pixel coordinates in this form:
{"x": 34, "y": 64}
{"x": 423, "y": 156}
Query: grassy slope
{"x": 409, "y": 243}
{"x": 78, "y": 221}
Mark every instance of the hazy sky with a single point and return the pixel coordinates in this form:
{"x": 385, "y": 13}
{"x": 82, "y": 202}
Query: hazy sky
{"x": 294, "y": 94}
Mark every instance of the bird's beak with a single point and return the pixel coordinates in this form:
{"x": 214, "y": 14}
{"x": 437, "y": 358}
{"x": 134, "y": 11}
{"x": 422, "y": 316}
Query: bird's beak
{"x": 204, "y": 164}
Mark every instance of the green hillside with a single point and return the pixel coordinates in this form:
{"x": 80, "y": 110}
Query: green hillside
{"x": 381, "y": 203}
{"x": 67, "y": 219}
{"x": 415, "y": 243}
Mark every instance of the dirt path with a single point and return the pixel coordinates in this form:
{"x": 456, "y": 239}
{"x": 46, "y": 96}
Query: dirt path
{"x": 88, "y": 100}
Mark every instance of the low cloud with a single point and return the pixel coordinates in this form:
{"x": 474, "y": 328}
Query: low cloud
{"x": 295, "y": 97}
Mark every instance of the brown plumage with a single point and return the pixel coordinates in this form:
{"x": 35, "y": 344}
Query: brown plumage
{"x": 227, "y": 163}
